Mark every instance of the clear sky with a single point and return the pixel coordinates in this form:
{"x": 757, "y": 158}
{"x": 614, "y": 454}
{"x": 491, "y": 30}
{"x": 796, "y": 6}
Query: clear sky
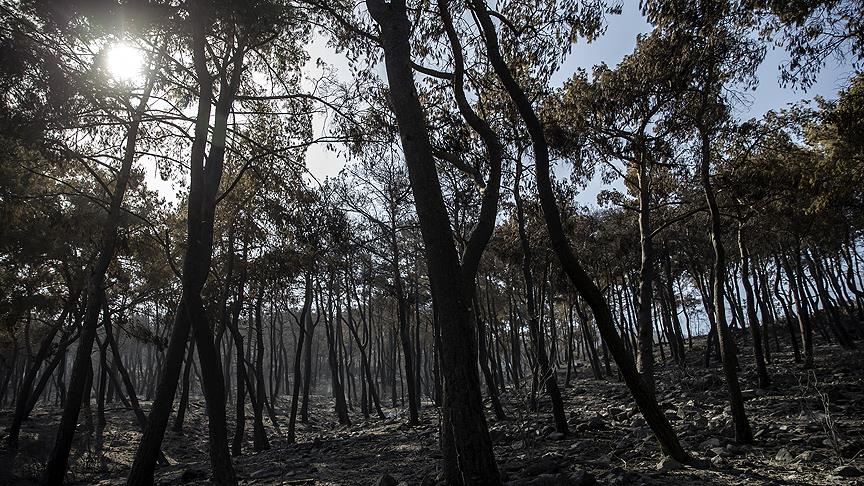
{"x": 619, "y": 40}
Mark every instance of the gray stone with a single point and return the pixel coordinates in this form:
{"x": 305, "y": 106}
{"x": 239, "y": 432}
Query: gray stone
{"x": 847, "y": 471}
{"x": 808, "y": 456}
{"x": 386, "y": 480}
{"x": 817, "y": 441}
{"x": 720, "y": 451}
{"x": 190, "y": 475}
{"x": 580, "y": 478}
{"x": 783, "y": 456}
{"x": 642, "y": 432}
{"x": 594, "y": 423}
{"x": 547, "y": 464}
{"x": 710, "y": 443}
{"x": 266, "y": 472}
{"x": 668, "y": 464}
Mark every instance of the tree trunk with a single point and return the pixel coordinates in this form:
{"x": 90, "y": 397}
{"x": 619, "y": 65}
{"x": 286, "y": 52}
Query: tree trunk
{"x": 543, "y": 371}
{"x": 644, "y": 398}
{"x": 55, "y": 469}
{"x": 259, "y": 437}
{"x": 753, "y": 320}
{"x": 26, "y": 388}
{"x": 298, "y": 353}
{"x": 203, "y": 187}
{"x": 743, "y": 434}
{"x": 184, "y": 394}
{"x": 466, "y": 444}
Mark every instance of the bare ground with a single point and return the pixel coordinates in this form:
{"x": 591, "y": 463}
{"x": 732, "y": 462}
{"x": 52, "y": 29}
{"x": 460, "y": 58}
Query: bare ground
{"x": 809, "y": 429}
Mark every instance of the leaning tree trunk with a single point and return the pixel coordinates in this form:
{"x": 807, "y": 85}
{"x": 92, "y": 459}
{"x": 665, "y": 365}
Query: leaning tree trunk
{"x": 240, "y": 400}
{"x": 645, "y": 399}
{"x": 184, "y": 394}
{"x": 364, "y": 357}
{"x": 55, "y": 469}
{"x": 26, "y": 387}
{"x": 801, "y": 307}
{"x": 404, "y": 329}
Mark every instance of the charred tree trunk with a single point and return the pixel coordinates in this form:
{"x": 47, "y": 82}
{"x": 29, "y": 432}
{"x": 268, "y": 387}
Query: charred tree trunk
{"x": 55, "y": 469}
{"x": 203, "y": 188}
{"x": 753, "y": 320}
{"x": 645, "y": 400}
{"x": 743, "y": 434}
{"x": 466, "y": 444}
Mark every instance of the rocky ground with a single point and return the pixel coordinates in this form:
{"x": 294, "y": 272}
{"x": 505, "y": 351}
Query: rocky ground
{"x": 809, "y": 429}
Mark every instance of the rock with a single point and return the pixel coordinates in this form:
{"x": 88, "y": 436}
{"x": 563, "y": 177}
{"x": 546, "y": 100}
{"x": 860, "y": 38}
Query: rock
{"x": 594, "y": 423}
{"x": 547, "y": 464}
{"x": 807, "y": 456}
{"x": 816, "y": 441}
{"x": 555, "y": 436}
{"x": 267, "y": 472}
{"x": 850, "y": 449}
{"x": 605, "y": 459}
{"x": 847, "y": 471}
{"x": 637, "y": 422}
{"x": 752, "y": 393}
{"x": 710, "y": 443}
{"x": 722, "y": 452}
{"x": 582, "y": 478}
{"x": 718, "y": 461}
{"x": 542, "y": 480}
{"x": 783, "y": 456}
{"x": 386, "y": 480}
{"x": 668, "y": 464}
{"x": 620, "y": 476}
{"x": 190, "y": 475}
{"x": 735, "y": 448}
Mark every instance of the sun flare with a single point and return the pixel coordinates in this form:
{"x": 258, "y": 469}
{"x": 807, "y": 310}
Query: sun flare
{"x": 124, "y": 62}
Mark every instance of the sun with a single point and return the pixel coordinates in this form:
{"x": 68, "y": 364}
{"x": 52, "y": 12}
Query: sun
{"x": 124, "y": 62}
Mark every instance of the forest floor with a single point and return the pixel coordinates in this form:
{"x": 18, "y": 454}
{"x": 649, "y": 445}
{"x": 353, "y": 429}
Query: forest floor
{"x": 809, "y": 429}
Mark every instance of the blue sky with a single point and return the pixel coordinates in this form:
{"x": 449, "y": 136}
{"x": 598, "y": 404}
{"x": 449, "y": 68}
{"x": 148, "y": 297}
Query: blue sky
{"x": 620, "y": 40}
